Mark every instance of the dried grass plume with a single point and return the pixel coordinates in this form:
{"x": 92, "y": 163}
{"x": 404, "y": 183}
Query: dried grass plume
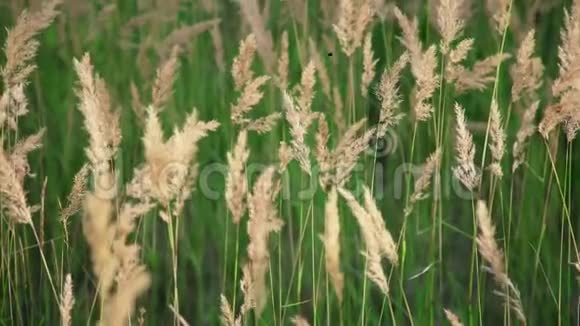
{"x": 331, "y": 240}
{"x": 465, "y": 171}
{"x": 494, "y": 256}
{"x": 67, "y": 300}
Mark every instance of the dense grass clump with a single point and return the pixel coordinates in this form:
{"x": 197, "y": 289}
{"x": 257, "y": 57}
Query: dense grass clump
{"x": 263, "y": 162}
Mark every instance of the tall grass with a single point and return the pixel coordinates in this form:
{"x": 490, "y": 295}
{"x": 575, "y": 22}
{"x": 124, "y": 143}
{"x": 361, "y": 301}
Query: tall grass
{"x": 289, "y": 162}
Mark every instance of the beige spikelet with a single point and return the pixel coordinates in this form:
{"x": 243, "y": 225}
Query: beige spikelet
{"x": 248, "y": 290}
{"x": 14, "y": 167}
{"x": 331, "y": 240}
{"x": 21, "y": 47}
{"x": 423, "y": 66}
{"x": 464, "y": 78}
{"x": 250, "y": 97}
{"x": 527, "y": 72}
{"x": 465, "y": 171}
{"x": 132, "y": 279}
{"x": 121, "y": 277}
{"x": 137, "y": 104}
{"x": 99, "y": 235}
{"x": 101, "y": 123}
{"x": 283, "y": 63}
{"x": 565, "y": 110}
{"x": 168, "y": 163}
{"x": 388, "y": 92}
{"x": 299, "y": 321}
{"x": 424, "y": 69}
{"x": 452, "y": 318}
{"x": 499, "y": 11}
{"x": 568, "y": 50}
{"x": 527, "y": 129}
{"x": 13, "y": 103}
{"x": 76, "y": 195}
{"x": 337, "y": 165}
{"x": 449, "y": 22}
{"x": 67, "y": 300}
{"x": 410, "y": 38}
{"x": 187, "y": 187}
{"x": 497, "y": 140}
{"x": 372, "y": 253}
{"x": 458, "y": 54}
{"x": 20, "y": 150}
{"x": 351, "y": 146}
{"x": 306, "y": 87}
{"x": 285, "y": 155}
{"x": 486, "y": 243}
{"x": 12, "y": 195}
{"x": 382, "y": 234}
{"x": 424, "y": 181}
{"x": 477, "y": 77}
{"x": 242, "y": 66}
{"x": 253, "y": 16}
{"x": 227, "y": 317}
{"x": 236, "y": 182}
{"x": 323, "y": 155}
{"x": 353, "y": 21}
{"x": 164, "y": 79}
{"x": 263, "y": 220}
{"x": 378, "y": 240}
{"x": 493, "y": 255}
{"x": 264, "y": 124}
{"x": 299, "y": 118}
{"x": 369, "y": 64}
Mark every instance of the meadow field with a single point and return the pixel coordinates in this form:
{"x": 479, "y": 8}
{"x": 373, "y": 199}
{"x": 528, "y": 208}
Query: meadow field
{"x": 289, "y": 162}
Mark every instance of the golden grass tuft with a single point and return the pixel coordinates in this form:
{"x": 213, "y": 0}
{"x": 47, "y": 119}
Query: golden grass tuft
{"x": 527, "y": 129}
{"x": 378, "y": 240}
{"x": 77, "y": 194}
{"x": 527, "y": 72}
{"x": 21, "y": 47}
{"x": 164, "y": 79}
{"x": 493, "y": 255}
{"x": 331, "y": 241}
{"x": 101, "y": 122}
{"x": 12, "y": 195}
{"x": 283, "y": 63}
{"x": 498, "y": 138}
{"x": 429, "y": 170}
{"x": 67, "y": 300}
{"x": 227, "y": 317}
{"x": 299, "y": 321}
{"x": 452, "y": 318}
{"x": 465, "y": 171}
{"x": 369, "y": 65}
{"x": 565, "y": 110}
{"x": 242, "y": 66}
{"x": 252, "y": 14}
{"x": 236, "y": 182}
{"x": 121, "y": 277}
{"x": 353, "y": 20}
{"x": 168, "y": 163}
{"x": 263, "y": 220}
